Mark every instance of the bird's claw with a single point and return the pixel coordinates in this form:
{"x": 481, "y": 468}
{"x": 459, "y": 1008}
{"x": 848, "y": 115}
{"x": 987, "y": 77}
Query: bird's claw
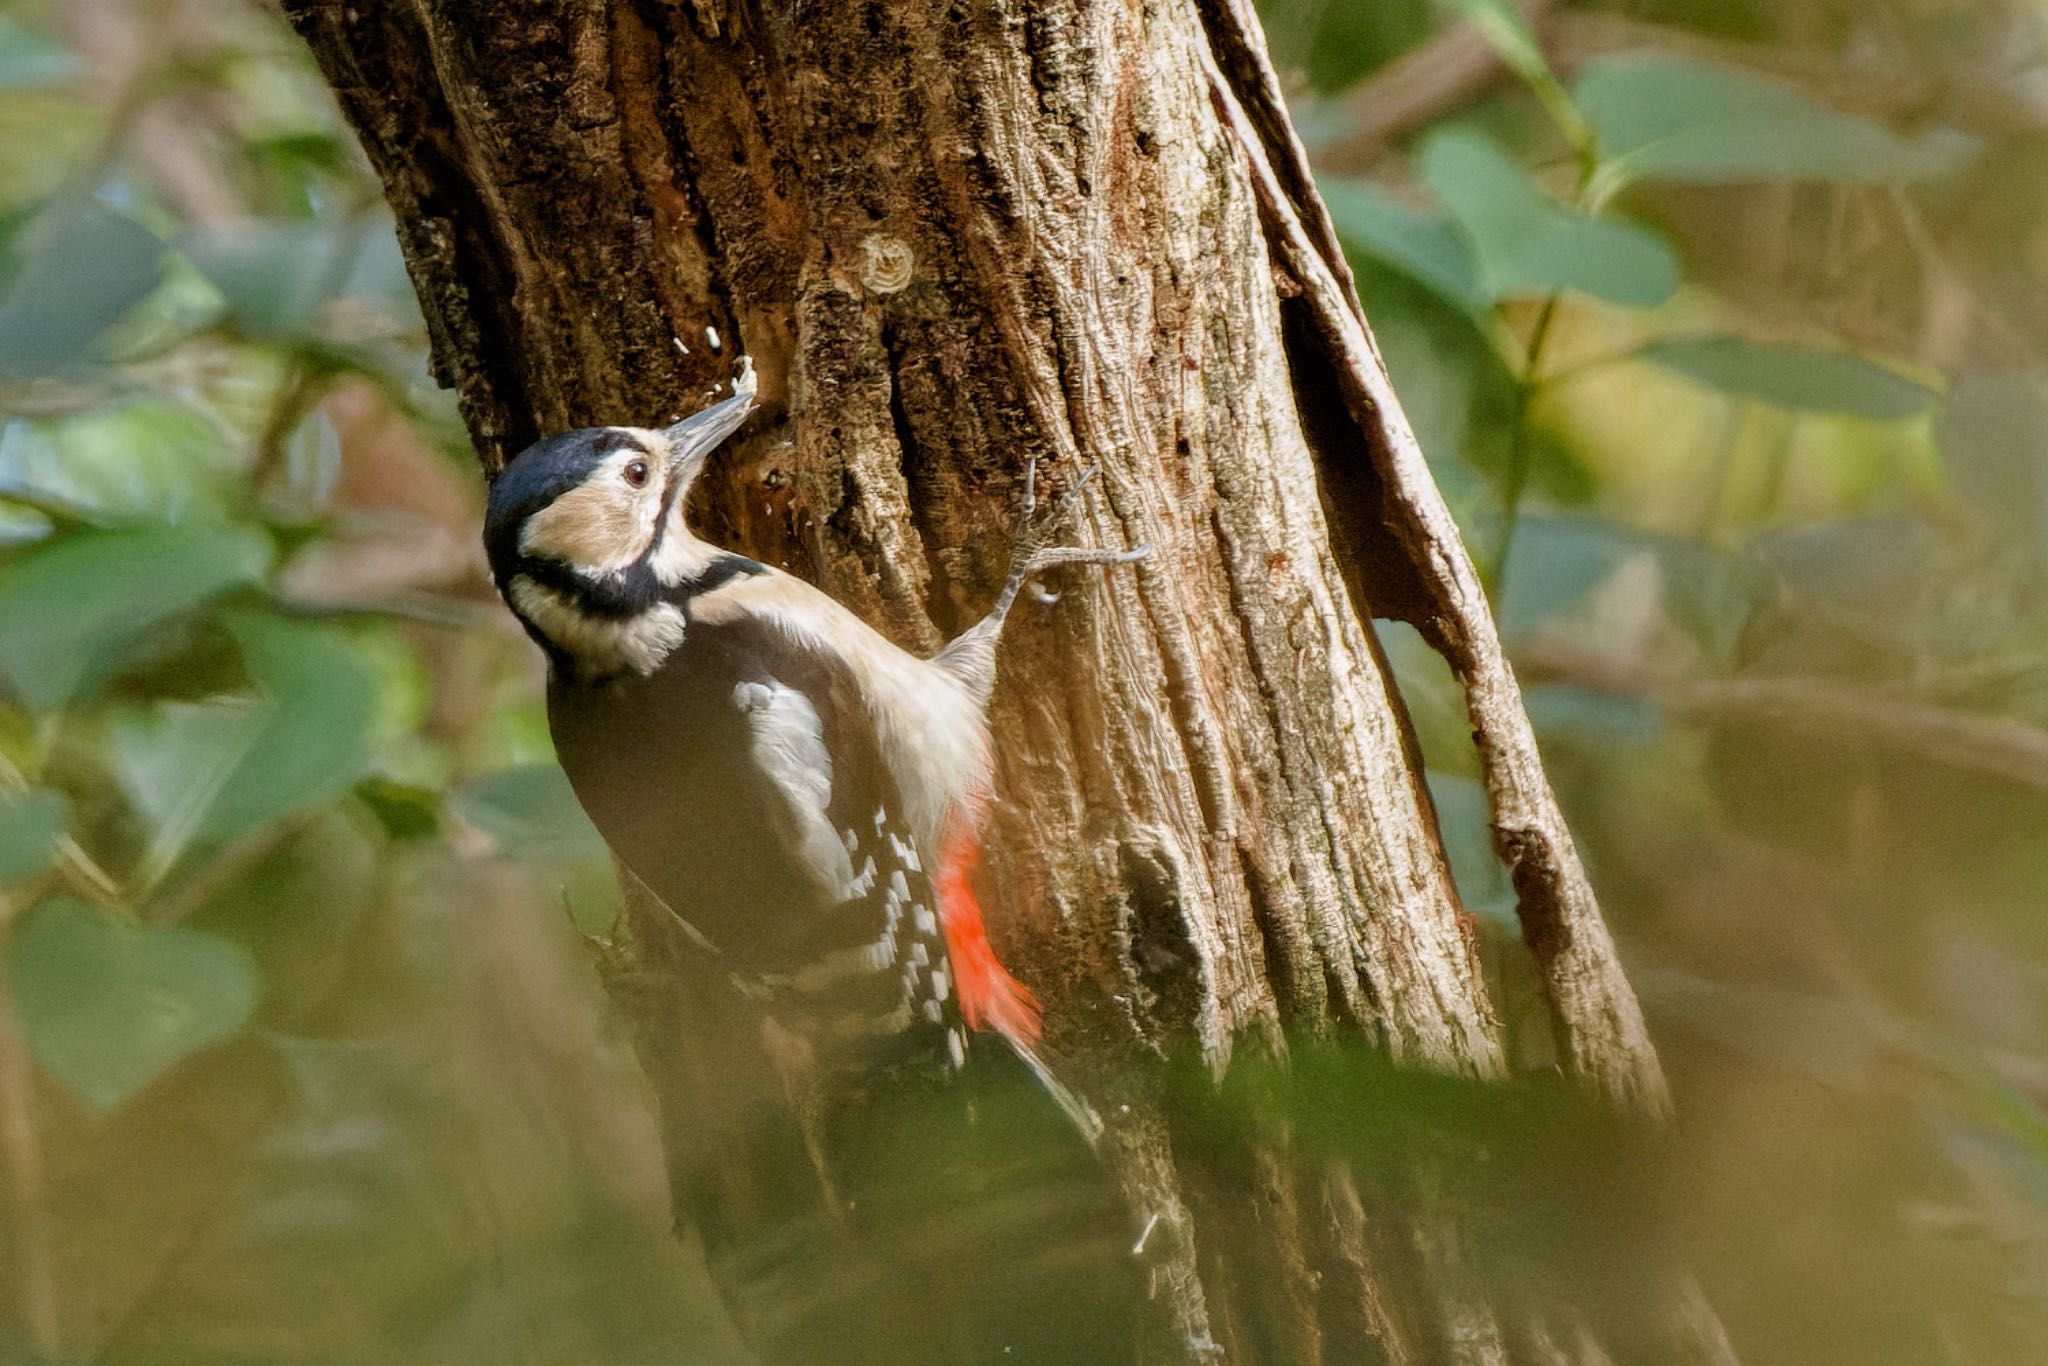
{"x": 1032, "y": 552}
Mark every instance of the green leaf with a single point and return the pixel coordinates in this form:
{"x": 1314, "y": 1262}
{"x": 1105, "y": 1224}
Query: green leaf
{"x": 1420, "y": 244}
{"x": 174, "y": 761}
{"x": 1528, "y": 243}
{"x": 1563, "y": 564}
{"x": 274, "y": 275}
{"x": 1464, "y": 819}
{"x": 1674, "y": 118}
{"x": 136, "y": 461}
{"x": 531, "y": 812}
{"x": 1506, "y": 30}
{"x": 30, "y": 60}
{"x": 317, "y": 743}
{"x": 404, "y": 811}
{"x": 69, "y": 609}
{"x": 206, "y": 773}
{"x": 1794, "y": 376}
{"x": 30, "y": 825}
{"x": 109, "y": 1006}
{"x": 82, "y": 266}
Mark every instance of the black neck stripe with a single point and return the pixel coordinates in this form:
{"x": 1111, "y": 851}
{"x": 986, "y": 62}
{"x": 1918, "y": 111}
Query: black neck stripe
{"x": 633, "y": 591}
{"x": 721, "y": 571}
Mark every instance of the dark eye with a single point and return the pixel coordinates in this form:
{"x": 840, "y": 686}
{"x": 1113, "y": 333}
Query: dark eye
{"x": 636, "y": 474}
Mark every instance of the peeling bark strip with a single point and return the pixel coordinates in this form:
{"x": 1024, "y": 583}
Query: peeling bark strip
{"x": 1600, "y": 1026}
{"x": 955, "y": 235}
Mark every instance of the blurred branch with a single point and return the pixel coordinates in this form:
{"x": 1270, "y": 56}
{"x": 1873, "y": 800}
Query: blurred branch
{"x": 1416, "y": 89}
{"x": 1995, "y": 746}
{"x": 21, "y": 1165}
{"x": 1459, "y": 64}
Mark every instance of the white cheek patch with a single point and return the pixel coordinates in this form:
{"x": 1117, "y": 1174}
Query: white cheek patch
{"x": 601, "y": 645}
{"x": 600, "y": 526}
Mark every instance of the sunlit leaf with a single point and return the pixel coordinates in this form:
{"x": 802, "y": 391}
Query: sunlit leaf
{"x": 1674, "y": 118}
{"x": 109, "y": 1005}
{"x": 68, "y": 610}
{"x": 141, "y": 458}
{"x": 30, "y": 825}
{"x": 1417, "y": 242}
{"x": 81, "y": 267}
{"x": 1527, "y": 243}
{"x": 1794, "y": 376}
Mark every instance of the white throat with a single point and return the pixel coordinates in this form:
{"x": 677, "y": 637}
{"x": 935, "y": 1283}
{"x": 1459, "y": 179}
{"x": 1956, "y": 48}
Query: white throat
{"x": 601, "y": 646}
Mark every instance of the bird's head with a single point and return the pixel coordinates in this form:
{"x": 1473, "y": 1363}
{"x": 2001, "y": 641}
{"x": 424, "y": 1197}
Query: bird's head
{"x": 585, "y": 534}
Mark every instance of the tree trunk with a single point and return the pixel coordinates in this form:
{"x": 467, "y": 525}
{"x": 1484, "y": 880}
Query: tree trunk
{"x": 953, "y": 237}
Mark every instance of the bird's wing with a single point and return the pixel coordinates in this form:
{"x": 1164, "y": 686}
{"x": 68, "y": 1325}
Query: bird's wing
{"x": 868, "y": 958}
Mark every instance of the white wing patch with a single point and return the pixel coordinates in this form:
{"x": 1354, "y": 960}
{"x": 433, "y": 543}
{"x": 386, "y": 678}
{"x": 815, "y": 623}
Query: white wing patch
{"x": 934, "y": 740}
{"x": 789, "y": 747}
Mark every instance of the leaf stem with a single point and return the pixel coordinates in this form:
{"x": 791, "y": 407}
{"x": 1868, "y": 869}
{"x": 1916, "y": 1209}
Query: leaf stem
{"x": 1527, "y": 382}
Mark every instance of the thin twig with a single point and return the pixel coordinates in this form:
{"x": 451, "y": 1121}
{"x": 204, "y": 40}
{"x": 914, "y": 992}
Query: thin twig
{"x": 1417, "y": 88}
{"x": 80, "y": 871}
{"x": 1995, "y": 746}
{"x": 1527, "y": 382}
{"x": 1458, "y": 64}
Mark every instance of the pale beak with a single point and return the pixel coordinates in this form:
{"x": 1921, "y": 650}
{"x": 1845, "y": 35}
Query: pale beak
{"x": 697, "y": 435}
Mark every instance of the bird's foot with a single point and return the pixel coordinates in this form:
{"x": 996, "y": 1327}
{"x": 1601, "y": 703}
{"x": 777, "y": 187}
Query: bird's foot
{"x": 1033, "y": 551}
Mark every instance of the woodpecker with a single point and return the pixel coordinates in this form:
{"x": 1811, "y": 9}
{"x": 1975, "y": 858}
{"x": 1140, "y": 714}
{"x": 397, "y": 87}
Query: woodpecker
{"x": 804, "y": 795}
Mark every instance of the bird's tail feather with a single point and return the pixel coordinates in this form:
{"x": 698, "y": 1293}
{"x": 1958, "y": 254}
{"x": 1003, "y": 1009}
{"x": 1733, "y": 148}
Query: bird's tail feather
{"x": 990, "y": 998}
{"x": 1080, "y": 1111}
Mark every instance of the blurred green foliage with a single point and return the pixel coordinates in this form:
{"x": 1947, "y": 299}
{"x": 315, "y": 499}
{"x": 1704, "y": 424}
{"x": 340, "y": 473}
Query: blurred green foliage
{"x": 1723, "y": 325}
{"x": 310, "y": 1057}
{"x": 1722, "y": 328}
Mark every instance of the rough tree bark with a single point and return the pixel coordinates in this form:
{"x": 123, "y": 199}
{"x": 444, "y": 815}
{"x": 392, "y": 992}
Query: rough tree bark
{"x": 955, "y": 234}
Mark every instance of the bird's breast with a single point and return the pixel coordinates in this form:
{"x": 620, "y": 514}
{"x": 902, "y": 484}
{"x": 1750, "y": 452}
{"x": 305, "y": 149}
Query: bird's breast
{"x": 663, "y": 767}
